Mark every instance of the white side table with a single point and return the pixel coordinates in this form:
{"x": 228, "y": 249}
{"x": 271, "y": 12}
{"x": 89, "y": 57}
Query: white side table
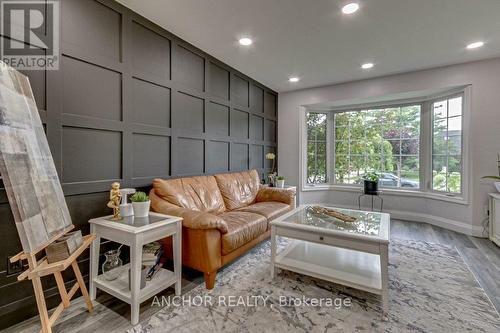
{"x": 135, "y": 232}
{"x": 495, "y": 218}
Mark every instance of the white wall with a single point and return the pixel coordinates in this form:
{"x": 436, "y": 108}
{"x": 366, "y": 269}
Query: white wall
{"x": 484, "y": 78}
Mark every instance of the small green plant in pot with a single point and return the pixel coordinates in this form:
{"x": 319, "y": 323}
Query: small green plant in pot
{"x": 141, "y": 204}
{"x": 496, "y": 178}
{"x": 370, "y": 182}
{"x": 280, "y": 181}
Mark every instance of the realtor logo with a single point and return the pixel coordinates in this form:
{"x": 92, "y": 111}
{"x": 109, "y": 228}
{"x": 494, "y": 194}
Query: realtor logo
{"x": 30, "y": 34}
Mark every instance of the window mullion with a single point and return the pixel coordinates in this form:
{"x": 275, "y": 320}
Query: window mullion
{"x": 400, "y": 164}
{"x": 327, "y": 158}
{"x": 382, "y": 153}
{"x": 349, "y": 150}
{"x": 447, "y": 144}
{"x": 426, "y": 134}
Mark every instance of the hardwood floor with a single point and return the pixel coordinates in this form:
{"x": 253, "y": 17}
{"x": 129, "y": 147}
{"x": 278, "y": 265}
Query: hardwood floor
{"x": 480, "y": 254}
{"x": 112, "y": 315}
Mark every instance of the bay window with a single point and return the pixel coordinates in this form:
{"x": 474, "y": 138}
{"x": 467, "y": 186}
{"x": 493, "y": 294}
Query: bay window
{"x": 412, "y": 146}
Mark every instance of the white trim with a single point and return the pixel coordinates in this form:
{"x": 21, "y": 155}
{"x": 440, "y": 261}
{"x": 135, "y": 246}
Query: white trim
{"x": 387, "y": 191}
{"x": 302, "y": 146}
{"x": 330, "y": 140}
{"x": 385, "y": 101}
{"x": 458, "y": 226}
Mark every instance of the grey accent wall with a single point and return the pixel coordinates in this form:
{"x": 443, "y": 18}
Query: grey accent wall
{"x": 132, "y": 102}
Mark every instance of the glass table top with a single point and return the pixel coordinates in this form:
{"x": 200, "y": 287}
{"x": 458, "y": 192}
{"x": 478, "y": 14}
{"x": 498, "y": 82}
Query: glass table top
{"x": 139, "y": 221}
{"x": 366, "y": 223}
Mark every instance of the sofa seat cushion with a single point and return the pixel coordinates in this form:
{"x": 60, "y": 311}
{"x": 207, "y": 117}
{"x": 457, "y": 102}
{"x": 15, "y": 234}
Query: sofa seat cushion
{"x": 242, "y": 227}
{"x": 269, "y": 209}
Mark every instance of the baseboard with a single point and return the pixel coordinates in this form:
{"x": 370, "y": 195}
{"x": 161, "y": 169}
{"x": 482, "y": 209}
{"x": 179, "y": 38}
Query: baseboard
{"x": 458, "y": 226}
{"x": 461, "y": 227}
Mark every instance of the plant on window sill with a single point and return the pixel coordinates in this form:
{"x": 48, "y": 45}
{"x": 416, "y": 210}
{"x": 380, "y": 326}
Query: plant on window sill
{"x": 370, "y": 182}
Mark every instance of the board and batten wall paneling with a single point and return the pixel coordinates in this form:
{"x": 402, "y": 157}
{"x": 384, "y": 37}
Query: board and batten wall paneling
{"x": 130, "y": 103}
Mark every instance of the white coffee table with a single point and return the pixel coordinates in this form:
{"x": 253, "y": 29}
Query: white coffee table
{"x": 354, "y": 254}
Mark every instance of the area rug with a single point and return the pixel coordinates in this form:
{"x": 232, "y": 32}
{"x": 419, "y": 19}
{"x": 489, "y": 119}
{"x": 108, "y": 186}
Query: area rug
{"x": 431, "y": 290}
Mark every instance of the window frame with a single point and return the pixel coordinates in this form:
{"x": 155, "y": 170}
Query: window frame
{"x": 332, "y": 126}
{"x": 431, "y": 110}
{"x": 327, "y": 148}
{"x": 425, "y": 152}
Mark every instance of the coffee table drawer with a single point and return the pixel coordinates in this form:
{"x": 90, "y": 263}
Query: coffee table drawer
{"x": 343, "y": 241}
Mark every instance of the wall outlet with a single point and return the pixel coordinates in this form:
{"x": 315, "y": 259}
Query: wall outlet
{"x": 14, "y": 267}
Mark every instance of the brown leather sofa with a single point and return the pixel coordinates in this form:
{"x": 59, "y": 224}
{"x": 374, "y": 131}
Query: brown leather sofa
{"x": 224, "y": 215}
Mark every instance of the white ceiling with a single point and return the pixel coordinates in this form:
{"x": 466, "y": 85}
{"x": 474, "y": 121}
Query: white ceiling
{"x": 312, "y": 39}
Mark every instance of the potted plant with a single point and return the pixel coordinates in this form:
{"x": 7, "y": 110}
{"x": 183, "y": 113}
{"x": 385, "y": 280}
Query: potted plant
{"x": 497, "y": 178}
{"x": 370, "y": 181}
{"x": 280, "y": 181}
{"x": 141, "y": 204}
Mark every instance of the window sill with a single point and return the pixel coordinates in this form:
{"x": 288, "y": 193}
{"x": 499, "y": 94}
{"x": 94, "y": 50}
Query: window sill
{"x": 391, "y": 192}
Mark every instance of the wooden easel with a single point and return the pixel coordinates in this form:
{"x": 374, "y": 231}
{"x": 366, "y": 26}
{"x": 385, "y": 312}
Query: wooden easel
{"x": 40, "y": 268}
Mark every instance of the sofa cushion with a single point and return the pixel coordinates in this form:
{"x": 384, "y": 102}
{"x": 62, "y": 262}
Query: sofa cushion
{"x": 238, "y": 189}
{"x": 242, "y": 227}
{"x": 197, "y": 193}
{"x": 269, "y": 209}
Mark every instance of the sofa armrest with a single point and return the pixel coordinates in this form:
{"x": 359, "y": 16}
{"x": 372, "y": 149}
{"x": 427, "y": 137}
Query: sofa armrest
{"x": 192, "y": 219}
{"x": 283, "y": 195}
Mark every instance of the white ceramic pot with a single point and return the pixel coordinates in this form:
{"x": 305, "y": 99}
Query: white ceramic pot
{"x": 280, "y": 183}
{"x": 126, "y": 210}
{"x": 141, "y": 209}
{"x": 497, "y": 185}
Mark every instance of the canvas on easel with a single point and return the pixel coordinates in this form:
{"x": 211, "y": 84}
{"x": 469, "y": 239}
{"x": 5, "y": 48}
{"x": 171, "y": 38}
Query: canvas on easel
{"x": 28, "y": 171}
{"x": 34, "y": 192}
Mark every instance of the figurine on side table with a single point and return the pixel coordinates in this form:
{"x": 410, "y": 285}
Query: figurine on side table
{"x": 115, "y": 197}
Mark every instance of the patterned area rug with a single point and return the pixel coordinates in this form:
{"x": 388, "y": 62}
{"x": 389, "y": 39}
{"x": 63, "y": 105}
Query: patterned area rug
{"x": 431, "y": 290}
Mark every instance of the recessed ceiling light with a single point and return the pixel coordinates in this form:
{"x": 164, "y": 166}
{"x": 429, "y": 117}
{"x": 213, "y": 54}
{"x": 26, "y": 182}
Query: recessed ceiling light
{"x": 293, "y": 79}
{"x": 350, "y": 8}
{"x": 475, "y": 45}
{"x": 367, "y": 65}
{"x": 245, "y": 41}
